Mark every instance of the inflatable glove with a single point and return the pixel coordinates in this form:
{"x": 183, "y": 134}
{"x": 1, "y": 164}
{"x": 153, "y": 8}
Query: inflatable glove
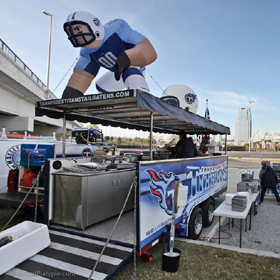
{"x": 122, "y": 64}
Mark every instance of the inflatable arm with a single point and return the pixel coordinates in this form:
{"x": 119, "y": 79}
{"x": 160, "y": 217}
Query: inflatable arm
{"x": 78, "y": 84}
{"x": 80, "y": 80}
{"x": 142, "y": 54}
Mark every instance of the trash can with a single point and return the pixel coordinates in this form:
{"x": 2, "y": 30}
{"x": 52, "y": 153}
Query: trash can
{"x": 170, "y": 261}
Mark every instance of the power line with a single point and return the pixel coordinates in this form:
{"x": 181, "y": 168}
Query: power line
{"x": 154, "y": 80}
{"x": 66, "y": 73}
{"x": 77, "y": 59}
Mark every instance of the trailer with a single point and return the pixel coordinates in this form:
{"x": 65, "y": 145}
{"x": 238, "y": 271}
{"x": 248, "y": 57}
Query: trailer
{"x": 83, "y": 197}
{"x": 21, "y": 153}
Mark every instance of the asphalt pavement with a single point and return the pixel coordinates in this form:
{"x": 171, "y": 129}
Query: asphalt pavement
{"x": 244, "y": 164}
{"x": 252, "y": 160}
{"x": 258, "y": 155}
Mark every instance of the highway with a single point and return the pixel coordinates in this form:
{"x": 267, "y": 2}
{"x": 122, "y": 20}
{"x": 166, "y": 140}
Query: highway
{"x": 254, "y": 155}
{"x": 246, "y": 160}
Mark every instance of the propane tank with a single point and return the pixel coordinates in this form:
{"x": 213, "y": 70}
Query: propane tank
{"x": 12, "y": 182}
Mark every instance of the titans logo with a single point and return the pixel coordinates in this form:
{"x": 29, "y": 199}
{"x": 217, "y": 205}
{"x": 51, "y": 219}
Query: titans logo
{"x": 162, "y": 186}
{"x": 96, "y": 21}
{"x": 87, "y": 152}
{"x": 190, "y": 98}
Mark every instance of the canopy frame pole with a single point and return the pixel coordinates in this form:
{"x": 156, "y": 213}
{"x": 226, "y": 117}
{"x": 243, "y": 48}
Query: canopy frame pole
{"x": 225, "y": 144}
{"x": 64, "y": 134}
{"x": 151, "y": 135}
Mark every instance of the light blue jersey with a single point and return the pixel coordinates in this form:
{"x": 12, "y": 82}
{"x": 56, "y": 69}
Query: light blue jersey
{"x": 119, "y": 36}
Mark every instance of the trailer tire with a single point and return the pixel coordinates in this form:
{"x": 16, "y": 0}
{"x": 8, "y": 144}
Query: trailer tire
{"x": 195, "y": 224}
{"x": 208, "y": 208}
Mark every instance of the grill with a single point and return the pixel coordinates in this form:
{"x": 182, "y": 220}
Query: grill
{"x": 247, "y": 177}
{"x": 242, "y": 187}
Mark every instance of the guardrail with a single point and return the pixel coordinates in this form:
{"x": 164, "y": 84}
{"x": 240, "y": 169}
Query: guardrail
{"x": 15, "y": 59}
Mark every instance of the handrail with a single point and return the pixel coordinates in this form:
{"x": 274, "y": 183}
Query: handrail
{"x": 15, "y": 59}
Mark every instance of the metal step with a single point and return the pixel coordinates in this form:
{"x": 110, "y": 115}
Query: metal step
{"x": 72, "y": 256}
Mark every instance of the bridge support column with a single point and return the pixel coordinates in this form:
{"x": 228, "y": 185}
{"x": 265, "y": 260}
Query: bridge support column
{"x": 17, "y": 124}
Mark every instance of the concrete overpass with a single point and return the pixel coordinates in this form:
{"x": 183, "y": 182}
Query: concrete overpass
{"x": 20, "y": 88}
{"x": 266, "y": 139}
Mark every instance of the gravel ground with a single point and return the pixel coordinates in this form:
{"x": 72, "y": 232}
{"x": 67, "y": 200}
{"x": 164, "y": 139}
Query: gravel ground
{"x": 264, "y": 233}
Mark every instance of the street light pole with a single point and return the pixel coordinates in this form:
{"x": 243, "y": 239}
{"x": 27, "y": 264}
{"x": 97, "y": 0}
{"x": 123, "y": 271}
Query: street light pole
{"x": 250, "y": 127}
{"x": 49, "y": 54}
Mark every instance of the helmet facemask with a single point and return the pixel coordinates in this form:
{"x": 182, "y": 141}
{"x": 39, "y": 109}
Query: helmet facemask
{"x": 171, "y": 100}
{"x": 79, "y": 33}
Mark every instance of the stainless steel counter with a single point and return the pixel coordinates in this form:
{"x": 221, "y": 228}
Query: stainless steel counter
{"x": 82, "y": 199}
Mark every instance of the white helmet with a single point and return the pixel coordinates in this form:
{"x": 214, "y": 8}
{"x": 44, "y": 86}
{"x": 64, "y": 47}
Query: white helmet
{"x": 95, "y": 27}
{"x": 181, "y": 96}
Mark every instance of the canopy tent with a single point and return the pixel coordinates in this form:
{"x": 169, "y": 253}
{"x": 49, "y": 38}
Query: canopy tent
{"x": 132, "y": 109}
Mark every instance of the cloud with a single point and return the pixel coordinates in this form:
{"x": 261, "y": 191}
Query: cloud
{"x": 228, "y": 100}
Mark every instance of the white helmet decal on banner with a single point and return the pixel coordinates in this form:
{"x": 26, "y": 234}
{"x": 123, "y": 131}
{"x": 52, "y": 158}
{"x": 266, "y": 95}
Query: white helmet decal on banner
{"x": 83, "y": 28}
{"x": 181, "y": 96}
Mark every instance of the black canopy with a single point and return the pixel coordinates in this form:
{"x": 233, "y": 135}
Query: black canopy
{"x": 132, "y": 109}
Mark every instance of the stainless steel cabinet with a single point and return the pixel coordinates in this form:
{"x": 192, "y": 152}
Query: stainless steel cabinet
{"x": 81, "y": 200}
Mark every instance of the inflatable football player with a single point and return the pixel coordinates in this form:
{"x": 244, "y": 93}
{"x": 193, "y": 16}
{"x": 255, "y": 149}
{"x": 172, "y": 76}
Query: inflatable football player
{"x": 114, "y": 46}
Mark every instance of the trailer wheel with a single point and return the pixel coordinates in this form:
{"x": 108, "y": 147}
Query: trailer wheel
{"x": 208, "y": 208}
{"x": 195, "y": 224}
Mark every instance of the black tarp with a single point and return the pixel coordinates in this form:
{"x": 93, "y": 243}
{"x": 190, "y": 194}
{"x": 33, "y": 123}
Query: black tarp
{"x": 130, "y": 109}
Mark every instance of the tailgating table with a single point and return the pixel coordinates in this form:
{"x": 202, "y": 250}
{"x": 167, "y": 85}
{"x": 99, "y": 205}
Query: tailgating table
{"x": 225, "y": 210}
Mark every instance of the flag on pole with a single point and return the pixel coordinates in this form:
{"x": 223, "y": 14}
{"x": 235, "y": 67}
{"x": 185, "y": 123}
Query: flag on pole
{"x": 207, "y": 114}
{"x": 205, "y": 138}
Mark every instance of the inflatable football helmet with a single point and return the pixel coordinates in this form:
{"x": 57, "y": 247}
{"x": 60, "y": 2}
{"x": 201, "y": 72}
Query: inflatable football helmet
{"x": 181, "y": 96}
{"x": 83, "y": 28}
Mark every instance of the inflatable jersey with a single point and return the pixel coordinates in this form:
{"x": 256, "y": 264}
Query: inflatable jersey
{"x": 115, "y": 46}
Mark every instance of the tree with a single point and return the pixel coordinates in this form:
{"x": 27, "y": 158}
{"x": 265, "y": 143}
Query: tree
{"x": 92, "y": 126}
{"x": 175, "y": 137}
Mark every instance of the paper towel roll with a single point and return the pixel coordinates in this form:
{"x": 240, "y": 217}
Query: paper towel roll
{"x": 229, "y": 197}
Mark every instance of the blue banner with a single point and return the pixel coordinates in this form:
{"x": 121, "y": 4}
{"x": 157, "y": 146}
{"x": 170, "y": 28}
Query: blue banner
{"x": 204, "y": 177}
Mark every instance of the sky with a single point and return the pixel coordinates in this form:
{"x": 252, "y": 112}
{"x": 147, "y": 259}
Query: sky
{"x": 227, "y": 51}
